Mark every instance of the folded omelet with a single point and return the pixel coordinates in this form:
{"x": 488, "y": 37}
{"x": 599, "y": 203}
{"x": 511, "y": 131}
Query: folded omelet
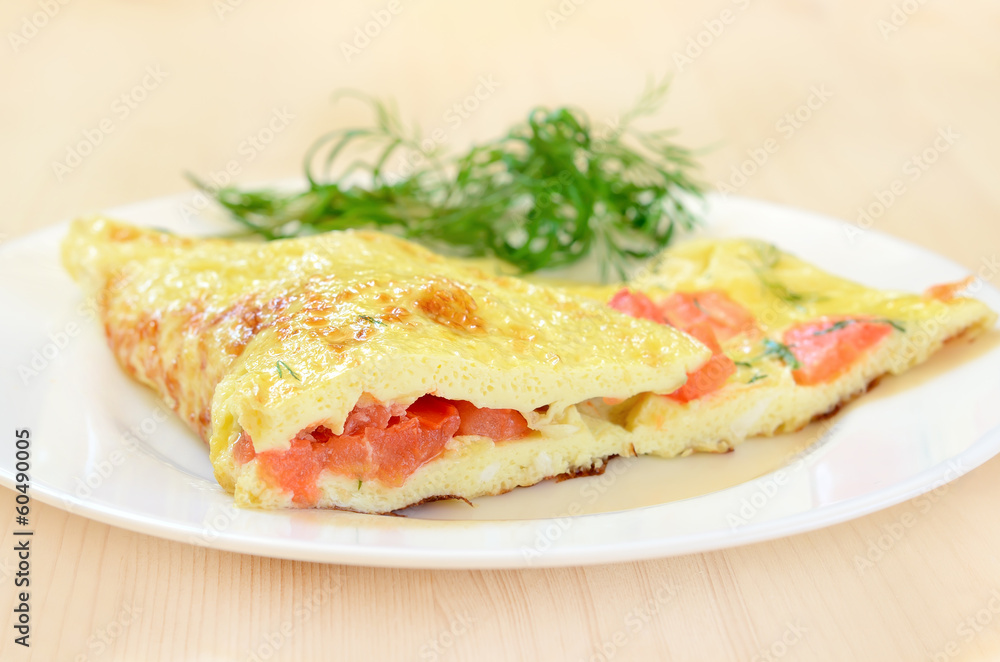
{"x": 357, "y": 370}
{"x": 791, "y": 342}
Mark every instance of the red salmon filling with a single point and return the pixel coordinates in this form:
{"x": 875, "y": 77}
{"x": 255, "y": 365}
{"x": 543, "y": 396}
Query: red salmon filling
{"x": 636, "y": 304}
{"x": 725, "y": 317}
{"x": 827, "y": 347}
{"x": 710, "y": 377}
{"x": 710, "y": 317}
{"x": 384, "y": 443}
{"x": 948, "y": 291}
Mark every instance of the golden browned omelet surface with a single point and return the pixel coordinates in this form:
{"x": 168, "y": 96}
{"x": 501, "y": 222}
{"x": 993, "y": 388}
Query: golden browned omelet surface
{"x": 269, "y": 339}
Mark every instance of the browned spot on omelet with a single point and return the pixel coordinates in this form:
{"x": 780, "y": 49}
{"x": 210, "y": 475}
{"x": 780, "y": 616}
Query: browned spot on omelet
{"x": 394, "y": 314}
{"x": 124, "y": 233}
{"x": 430, "y": 499}
{"x": 147, "y": 328}
{"x": 318, "y": 305}
{"x": 585, "y": 471}
{"x": 846, "y": 400}
{"x": 248, "y": 323}
{"x": 165, "y": 347}
{"x": 353, "y": 291}
{"x": 113, "y": 284}
{"x": 243, "y": 320}
{"x": 521, "y": 333}
{"x": 337, "y": 338}
{"x": 204, "y": 424}
{"x": 447, "y": 303}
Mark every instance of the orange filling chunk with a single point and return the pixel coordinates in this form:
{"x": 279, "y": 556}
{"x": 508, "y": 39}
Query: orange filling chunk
{"x": 497, "y": 424}
{"x": 383, "y": 443}
{"x": 710, "y": 317}
{"x": 710, "y": 377}
{"x": 949, "y": 291}
{"x": 636, "y": 304}
{"x": 725, "y": 317}
{"x": 827, "y": 347}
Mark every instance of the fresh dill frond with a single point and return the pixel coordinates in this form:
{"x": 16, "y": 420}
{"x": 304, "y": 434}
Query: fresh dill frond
{"x": 840, "y": 324}
{"x": 550, "y": 191}
{"x": 279, "y": 364}
{"x": 781, "y": 350}
{"x": 768, "y": 256}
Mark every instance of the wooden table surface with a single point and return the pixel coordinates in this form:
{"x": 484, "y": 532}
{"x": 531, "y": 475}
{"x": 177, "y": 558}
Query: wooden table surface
{"x": 106, "y": 103}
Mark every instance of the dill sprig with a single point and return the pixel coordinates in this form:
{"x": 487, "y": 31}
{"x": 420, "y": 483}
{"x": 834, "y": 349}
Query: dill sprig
{"x": 781, "y": 351}
{"x": 837, "y": 326}
{"x": 549, "y": 192}
{"x": 768, "y": 256}
{"x": 290, "y": 371}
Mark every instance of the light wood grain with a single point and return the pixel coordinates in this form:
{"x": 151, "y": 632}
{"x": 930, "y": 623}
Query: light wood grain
{"x": 226, "y": 76}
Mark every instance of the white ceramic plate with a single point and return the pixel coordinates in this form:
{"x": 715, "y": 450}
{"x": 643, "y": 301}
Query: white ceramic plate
{"x": 103, "y": 447}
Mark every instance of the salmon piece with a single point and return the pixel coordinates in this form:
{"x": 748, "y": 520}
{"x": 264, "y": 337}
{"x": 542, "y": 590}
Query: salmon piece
{"x": 727, "y": 318}
{"x": 497, "y": 424}
{"x": 711, "y": 376}
{"x": 710, "y": 316}
{"x": 636, "y": 304}
{"x": 384, "y": 443}
{"x": 827, "y": 347}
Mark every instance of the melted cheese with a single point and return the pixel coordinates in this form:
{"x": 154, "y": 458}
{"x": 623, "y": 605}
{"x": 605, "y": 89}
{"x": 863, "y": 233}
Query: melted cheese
{"x": 273, "y": 338}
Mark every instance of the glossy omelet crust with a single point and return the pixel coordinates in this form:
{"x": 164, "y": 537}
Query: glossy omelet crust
{"x": 780, "y": 290}
{"x": 275, "y": 338}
